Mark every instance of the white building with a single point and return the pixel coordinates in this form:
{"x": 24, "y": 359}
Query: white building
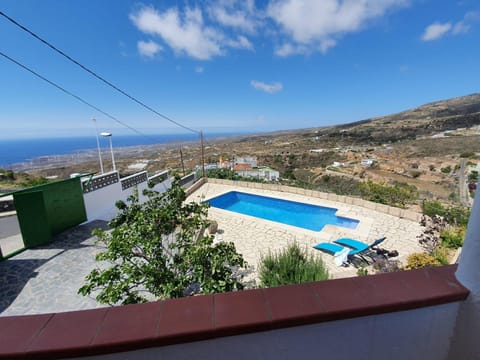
{"x": 367, "y": 162}
{"x": 261, "y": 172}
{"x": 249, "y": 160}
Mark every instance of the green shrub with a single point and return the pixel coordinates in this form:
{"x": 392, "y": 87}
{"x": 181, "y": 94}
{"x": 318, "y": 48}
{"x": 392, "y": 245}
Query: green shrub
{"x": 458, "y": 215}
{"x": 156, "y": 250}
{"x": 442, "y": 255}
{"x": 473, "y": 176}
{"x": 453, "y": 239}
{"x": 339, "y": 185}
{"x": 446, "y": 170}
{"x": 432, "y": 208}
{"x": 387, "y": 265}
{"x": 10, "y": 175}
{"x": 453, "y": 196}
{"x": 291, "y": 266}
{"x": 467, "y": 154}
{"x": 222, "y": 174}
{"x": 397, "y": 195}
{"x": 362, "y": 271}
{"x": 421, "y": 260}
{"x": 28, "y": 182}
{"x": 454, "y": 215}
{"x": 415, "y": 173}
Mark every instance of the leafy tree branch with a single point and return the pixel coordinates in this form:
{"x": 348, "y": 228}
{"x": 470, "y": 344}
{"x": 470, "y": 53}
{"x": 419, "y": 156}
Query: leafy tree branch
{"x": 157, "y": 250}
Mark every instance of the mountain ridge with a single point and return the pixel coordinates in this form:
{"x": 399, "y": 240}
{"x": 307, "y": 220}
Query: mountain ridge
{"x": 426, "y": 119}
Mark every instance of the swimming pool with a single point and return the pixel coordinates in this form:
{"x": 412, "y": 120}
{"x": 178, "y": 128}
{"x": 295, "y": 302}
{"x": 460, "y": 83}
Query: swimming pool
{"x": 311, "y": 217}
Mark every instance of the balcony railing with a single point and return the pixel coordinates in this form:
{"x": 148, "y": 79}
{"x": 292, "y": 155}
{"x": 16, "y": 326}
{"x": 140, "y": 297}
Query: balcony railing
{"x": 132, "y": 180}
{"x": 158, "y": 178}
{"x": 351, "y": 318}
{"x": 99, "y": 182}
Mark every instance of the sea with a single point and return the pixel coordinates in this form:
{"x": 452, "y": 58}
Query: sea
{"x": 25, "y": 150}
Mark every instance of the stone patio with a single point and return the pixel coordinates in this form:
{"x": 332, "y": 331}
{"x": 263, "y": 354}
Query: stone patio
{"x": 46, "y": 279}
{"x": 254, "y": 237}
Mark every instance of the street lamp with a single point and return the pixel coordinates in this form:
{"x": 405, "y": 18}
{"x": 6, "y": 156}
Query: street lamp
{"x": 98, "y": 146}
{"x": 109, "y": 135}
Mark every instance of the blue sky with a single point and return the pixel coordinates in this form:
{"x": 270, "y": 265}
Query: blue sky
{"x": 232, "y": 66}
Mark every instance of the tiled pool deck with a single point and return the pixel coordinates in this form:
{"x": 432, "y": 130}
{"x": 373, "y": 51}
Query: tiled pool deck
{"x": 254, "y": 237}
{"x": 46, "y": 279}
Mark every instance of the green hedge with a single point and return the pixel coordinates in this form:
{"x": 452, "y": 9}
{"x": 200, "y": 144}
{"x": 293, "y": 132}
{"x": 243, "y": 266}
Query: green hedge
{"x": 291, "y": 266}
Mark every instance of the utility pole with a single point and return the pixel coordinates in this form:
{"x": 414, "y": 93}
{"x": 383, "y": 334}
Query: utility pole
{"x": 109, "y": 135}
{"x": 203, "y": 154}
{"x": 181, "y": 159}
{"x": 98, "y": 146}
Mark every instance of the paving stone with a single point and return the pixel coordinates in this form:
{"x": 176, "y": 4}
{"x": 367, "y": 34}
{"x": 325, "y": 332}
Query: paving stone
{"x": 46, "y": 279}
{"x": 401, "y": 233}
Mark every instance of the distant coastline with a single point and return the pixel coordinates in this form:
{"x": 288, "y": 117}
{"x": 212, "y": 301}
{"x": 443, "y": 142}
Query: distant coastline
{"x": 18, "y": 151}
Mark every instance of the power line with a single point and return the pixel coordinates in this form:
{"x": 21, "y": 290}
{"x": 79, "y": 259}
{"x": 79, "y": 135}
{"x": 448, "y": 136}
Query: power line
{"x": 91, "y": 72}
{"x": 73, "y": 95}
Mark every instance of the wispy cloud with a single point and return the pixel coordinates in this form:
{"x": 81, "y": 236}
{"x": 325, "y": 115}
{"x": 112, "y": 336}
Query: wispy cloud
{"x": 268, "y": 88}
{"x": 261, "y": 119}
{"x": 288, "y": 49}
{"x": 239, "y": 14}
{"x": 148, "y": 48}
{"x": 312, "y": 25}
{"x": 436, "y": 31}
{"x": 241, "y": 42}
{"x": 199, "y": 69}
{"x": 468, "y": 21}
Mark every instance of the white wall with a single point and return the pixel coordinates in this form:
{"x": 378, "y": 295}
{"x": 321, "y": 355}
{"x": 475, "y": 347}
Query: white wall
{"x": 421, "y": 334}
{"x": 260, "y": 174}
{"x": 163, "y": 186}
{"x": 100, "y": 204}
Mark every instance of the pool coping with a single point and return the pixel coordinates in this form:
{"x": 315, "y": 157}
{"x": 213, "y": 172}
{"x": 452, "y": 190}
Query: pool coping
{"x": 349, "y": 200}
{"x": 362, "y": 229}
{"x": 337, "y": 211}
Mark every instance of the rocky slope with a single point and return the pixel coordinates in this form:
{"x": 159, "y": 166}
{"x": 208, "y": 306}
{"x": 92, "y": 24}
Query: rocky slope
{"x": 451, "y": 114}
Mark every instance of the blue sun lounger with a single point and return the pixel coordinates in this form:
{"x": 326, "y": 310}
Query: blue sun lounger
{"x": 359, "y": 248}
{"x": 329, "y": 248}
{"x": 342, "y": 254}
{"x": 358, "y": 245}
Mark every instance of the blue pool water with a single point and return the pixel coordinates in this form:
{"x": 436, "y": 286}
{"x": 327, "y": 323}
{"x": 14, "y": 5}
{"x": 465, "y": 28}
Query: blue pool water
{"x": 302, "y": 215}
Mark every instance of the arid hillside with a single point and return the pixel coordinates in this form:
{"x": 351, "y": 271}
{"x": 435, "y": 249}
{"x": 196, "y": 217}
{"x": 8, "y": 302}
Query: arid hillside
{"x": 427, "y": 147}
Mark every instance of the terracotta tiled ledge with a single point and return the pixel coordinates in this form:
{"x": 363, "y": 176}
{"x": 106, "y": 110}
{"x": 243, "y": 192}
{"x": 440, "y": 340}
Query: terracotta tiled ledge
{"x": 115, "y": 329}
